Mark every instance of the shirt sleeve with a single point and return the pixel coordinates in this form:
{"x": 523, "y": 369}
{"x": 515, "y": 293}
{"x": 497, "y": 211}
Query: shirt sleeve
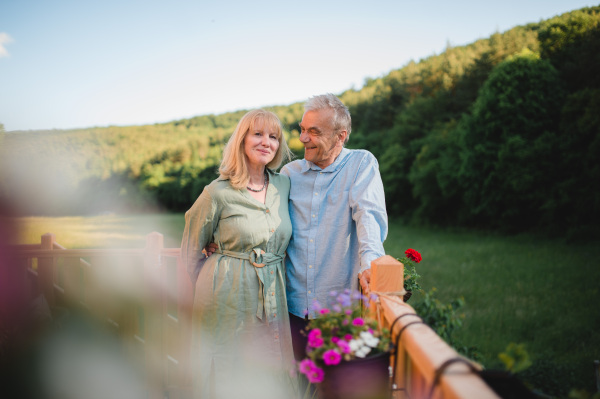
{"x": 367, "y": 201}
{"x": 200, "y": 223}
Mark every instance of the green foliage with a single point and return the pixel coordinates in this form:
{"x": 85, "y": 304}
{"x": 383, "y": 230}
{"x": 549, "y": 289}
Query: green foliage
{"x": 512, "y": 127}
{"x": 442, "y": 317}
{"x": 515, "y": 358}
{"x": 411, "y": 278}
{"x": 583, "y": 394}
{"x": 572, "y": 43}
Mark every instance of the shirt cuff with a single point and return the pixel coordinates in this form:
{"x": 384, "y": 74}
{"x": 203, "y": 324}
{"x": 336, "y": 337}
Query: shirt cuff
{"x": 362, "y": 269}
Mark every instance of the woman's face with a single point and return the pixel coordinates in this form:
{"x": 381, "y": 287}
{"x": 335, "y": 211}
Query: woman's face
{"x": 260, "y": 145}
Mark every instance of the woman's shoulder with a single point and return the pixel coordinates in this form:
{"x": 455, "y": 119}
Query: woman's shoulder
{"x": 279, "y": 179}
{"x": 217, "y": 189}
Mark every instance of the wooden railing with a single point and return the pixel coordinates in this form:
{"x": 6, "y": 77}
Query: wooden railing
{"x": 419, "y": 351}
{"x": 145, "y": 296}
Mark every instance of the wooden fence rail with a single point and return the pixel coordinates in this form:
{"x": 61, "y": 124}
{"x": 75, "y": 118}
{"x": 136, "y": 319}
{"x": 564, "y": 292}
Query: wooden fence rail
{"x": 145, "y": 296}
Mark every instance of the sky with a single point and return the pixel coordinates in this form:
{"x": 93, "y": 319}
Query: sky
{"x": 83, "y": 63}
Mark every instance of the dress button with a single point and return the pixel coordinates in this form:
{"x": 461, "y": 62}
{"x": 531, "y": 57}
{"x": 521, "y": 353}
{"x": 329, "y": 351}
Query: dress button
{"x": 274, "y": 314}
{"x": 272, "y": 294}
{"x": 271, "y": 271}
{"x": 267, "y": 211}
{"x": 272, "y": 230}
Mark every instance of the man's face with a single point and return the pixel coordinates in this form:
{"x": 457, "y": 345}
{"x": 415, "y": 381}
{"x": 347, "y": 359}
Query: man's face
{"x": 321, "y": 143}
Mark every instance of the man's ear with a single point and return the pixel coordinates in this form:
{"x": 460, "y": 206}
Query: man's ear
{"x": 342, "y": 136}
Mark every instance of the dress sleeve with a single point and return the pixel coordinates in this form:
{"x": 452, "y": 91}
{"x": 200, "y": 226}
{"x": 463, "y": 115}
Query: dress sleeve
{"x": 200, "y": 224}
{"x": 367, "y": 201}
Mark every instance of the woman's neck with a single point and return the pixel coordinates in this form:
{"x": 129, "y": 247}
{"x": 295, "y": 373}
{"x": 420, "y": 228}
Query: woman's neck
{"x": 256, "y": 176}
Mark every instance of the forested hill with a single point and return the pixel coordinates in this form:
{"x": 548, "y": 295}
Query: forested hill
{"x": 503, "y": 133}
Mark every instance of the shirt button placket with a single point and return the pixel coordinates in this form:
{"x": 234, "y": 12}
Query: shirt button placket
{"x": 312, "y": 249}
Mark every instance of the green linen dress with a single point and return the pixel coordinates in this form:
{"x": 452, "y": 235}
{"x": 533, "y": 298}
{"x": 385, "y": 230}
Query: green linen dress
{"x": 241, "y": 342}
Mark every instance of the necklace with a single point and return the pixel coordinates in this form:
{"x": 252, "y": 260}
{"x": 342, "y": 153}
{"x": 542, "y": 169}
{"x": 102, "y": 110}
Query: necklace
{"x": 264, "y": 184}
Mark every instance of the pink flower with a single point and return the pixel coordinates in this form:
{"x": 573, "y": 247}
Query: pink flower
{"x": 313, "y": 373}
{"x": 358, "y": 321}
{"x": 344, "y": 346}
{"x": 315, "y": 332}
{"x": 331, "y": 357}
{"x": 345, "y": 322}
{"x": 335, "y": 339}
{"x": 324, "y": 311}
{"x": 348, "y": 337}
{"x": 306, "y": 366}
{"x": 315, "y": 376}
{"x": 314, "y": 338}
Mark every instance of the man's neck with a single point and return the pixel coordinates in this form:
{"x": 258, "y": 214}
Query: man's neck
{"x": 331, "y": 160}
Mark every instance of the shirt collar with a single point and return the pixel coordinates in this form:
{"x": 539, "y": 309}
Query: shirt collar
{"x": 269, "y": 171}
{"x": 308, "y": 165}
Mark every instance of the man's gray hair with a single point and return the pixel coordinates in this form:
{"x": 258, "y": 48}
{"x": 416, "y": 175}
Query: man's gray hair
{"x": 341, "y": 114}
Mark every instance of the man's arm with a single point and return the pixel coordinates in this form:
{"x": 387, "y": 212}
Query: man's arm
{"x": 367, "y": 200}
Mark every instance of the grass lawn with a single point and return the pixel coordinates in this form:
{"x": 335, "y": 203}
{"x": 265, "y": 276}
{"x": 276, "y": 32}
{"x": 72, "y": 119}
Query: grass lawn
{"x": 538, "y": 292}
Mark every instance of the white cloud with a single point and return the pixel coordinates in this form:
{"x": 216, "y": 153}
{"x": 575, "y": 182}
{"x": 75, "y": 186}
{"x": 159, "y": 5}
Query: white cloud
{"x": 4, "y": 38}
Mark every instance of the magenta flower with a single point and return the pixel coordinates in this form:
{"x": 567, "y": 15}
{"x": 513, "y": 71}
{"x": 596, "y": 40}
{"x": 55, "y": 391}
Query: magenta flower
{"x": 335, "y": 339}
{"x": 345, "y": 322}
{"x": 348, "y": 337}
{"x": 314, "y": 333}
{"x": 344, "y": 346}
{"x": 331, "y": 357}
{"x": 315, "y": 376}
{"x": 358, "y": 321}
{"x": 314, "y": 338}
{"x": 324, "y": 311}
{"x": 306, "y": 366}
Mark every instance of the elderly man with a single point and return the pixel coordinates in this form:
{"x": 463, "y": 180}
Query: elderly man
{"x": 337, "y": 207}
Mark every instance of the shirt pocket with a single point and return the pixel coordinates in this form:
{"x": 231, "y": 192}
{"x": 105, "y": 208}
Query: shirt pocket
{"x": 338, "y": 212}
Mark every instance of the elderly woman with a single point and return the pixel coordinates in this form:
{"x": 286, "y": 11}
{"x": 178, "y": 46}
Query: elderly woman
{"x": 241, "y": 336}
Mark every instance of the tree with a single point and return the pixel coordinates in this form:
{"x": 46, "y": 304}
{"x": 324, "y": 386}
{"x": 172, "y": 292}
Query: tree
{"x": 510, "y": 142}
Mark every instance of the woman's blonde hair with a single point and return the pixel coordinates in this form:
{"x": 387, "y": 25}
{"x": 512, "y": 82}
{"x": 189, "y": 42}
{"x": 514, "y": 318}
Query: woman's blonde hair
{"x": 234, "y": 165}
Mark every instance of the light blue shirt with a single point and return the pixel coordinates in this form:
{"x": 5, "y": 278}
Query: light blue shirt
{"x": 339, "y": 224}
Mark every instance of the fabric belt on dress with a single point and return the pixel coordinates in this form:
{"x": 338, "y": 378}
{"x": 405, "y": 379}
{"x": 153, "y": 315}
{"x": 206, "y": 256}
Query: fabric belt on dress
{"x": 259, "y": 259}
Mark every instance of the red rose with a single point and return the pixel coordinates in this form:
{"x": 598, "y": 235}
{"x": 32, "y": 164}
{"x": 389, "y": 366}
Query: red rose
{"x": 413, "y": 255}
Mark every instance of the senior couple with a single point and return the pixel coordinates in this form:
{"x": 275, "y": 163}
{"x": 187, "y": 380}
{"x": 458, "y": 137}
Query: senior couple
{"x": 281, "y": 241}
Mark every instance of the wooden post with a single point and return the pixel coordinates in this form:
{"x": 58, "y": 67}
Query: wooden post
{"x": 387, "y": 277}
{"x": 184, "y": 311}
{"x": 154, "y": 315}
{"x": 45, "y": 269}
